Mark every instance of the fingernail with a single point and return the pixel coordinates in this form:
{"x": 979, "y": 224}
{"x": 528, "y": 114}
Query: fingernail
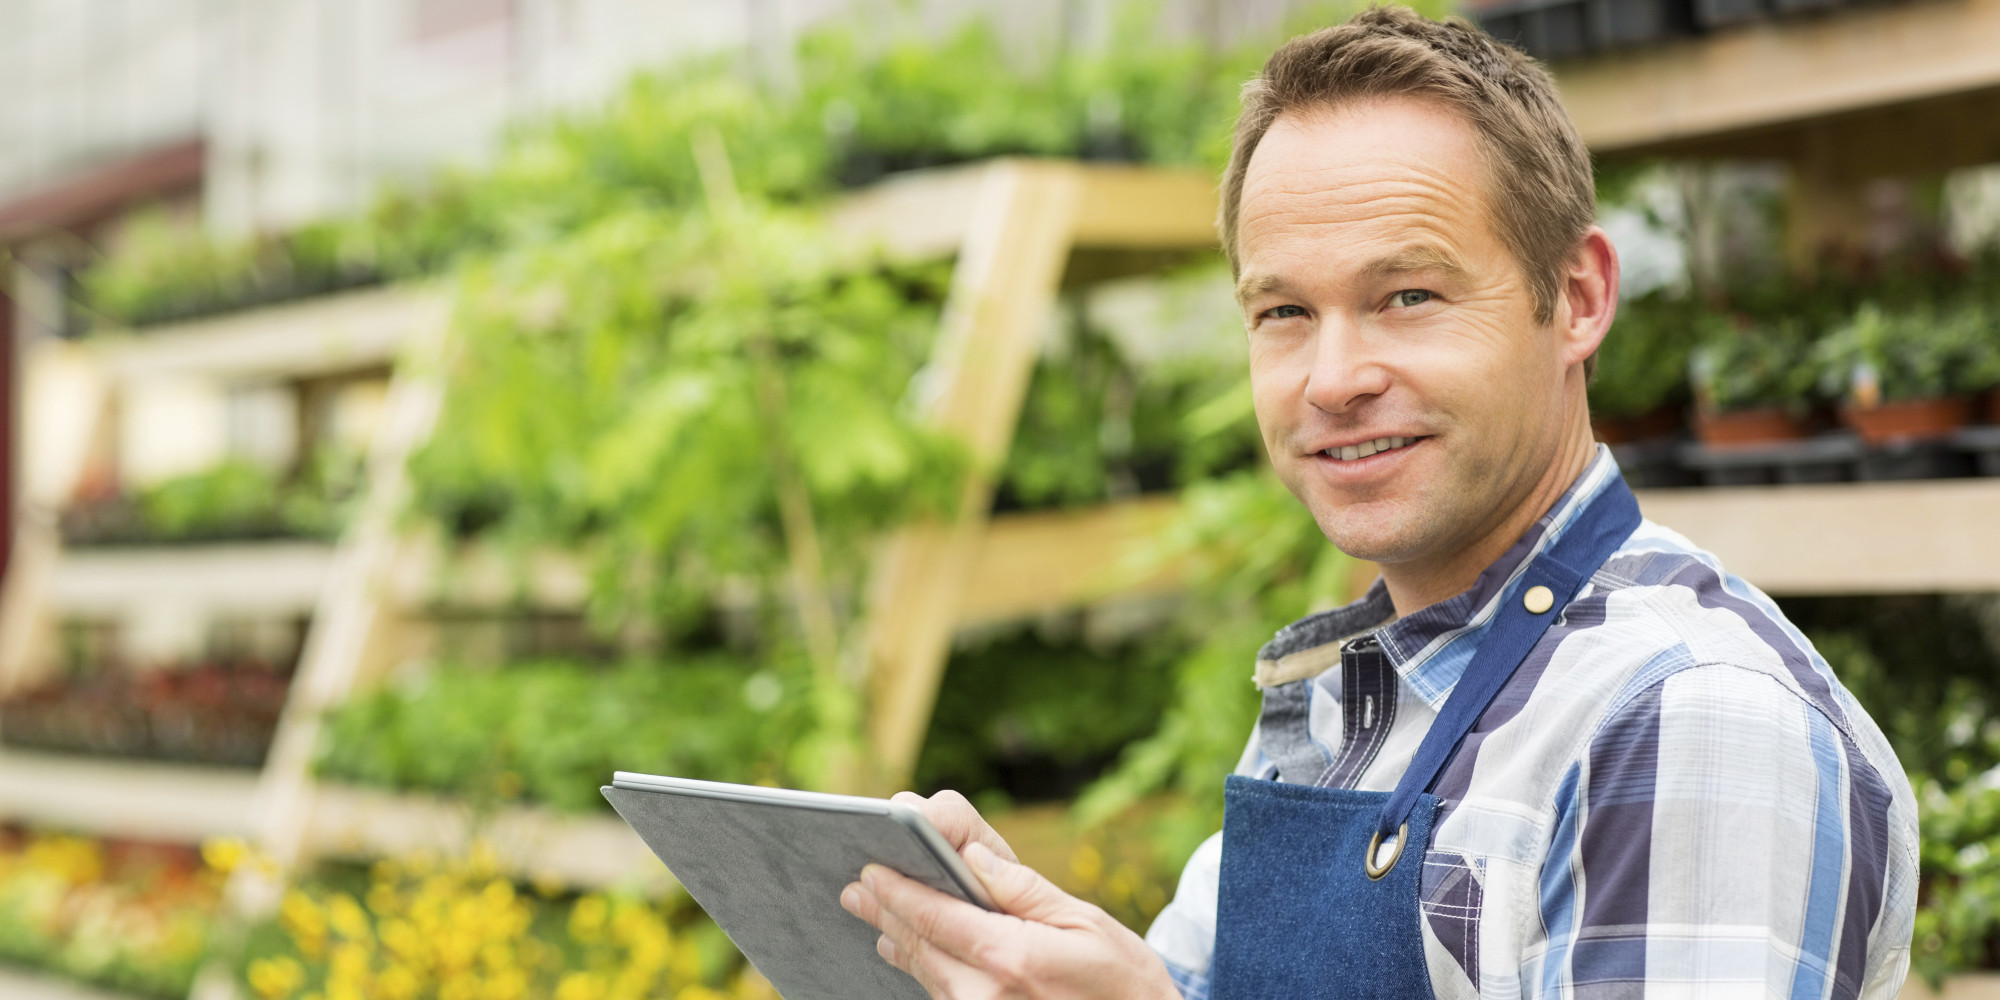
{"x": 850, "y": 899}
{"x": 869, "y": 876}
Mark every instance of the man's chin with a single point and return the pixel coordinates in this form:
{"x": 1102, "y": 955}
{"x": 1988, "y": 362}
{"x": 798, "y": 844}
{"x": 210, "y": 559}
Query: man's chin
{"x": 1371, "y": 533}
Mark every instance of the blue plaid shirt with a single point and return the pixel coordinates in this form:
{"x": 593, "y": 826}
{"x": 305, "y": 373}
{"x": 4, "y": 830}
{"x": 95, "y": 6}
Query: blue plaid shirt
{"x": 1673, "y": 796}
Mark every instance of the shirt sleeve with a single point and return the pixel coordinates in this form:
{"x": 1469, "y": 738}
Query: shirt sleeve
{"x": 1719, "y": 836}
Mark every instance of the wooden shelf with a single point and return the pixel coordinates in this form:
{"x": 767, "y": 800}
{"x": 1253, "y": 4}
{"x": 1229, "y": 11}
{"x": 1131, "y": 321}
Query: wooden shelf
{"x": 320, "y": 336}
{"x": 1737, "y": 81}
{"x": 277, "y": 578}
{"x": 535, "y": 844}
{"x": 1845, "y": 538}
{"x": 119, "y": 797}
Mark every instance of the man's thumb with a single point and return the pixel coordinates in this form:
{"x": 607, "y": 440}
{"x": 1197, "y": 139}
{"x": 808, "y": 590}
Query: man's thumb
{"x": 1016, "y": 888}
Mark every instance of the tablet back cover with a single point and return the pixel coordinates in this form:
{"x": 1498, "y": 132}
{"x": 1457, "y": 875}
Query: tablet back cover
{"x": 771, "y": 877}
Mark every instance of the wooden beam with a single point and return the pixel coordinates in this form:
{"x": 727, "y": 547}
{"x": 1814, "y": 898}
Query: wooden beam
{"x": 320, "y": 336}
{"x": 1030, "y": 564}
{"x": 116, "y": 797}
{"x": 261, "y": 578}
{"x": 1783, "y": 71}
{"x": 1845, "y": 538}
{"x": 1146, "y": 208}
{"x": 1003, "y": 293}
{"x": 928, "y": 214}
{"x": 531, "y": 843}
{"x": 355, "y": 635}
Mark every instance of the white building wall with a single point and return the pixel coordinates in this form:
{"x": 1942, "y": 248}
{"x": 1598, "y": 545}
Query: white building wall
{"x": 308, "y": 104}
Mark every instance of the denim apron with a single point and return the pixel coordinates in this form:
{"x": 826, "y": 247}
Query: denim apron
{"x": 1319, "y": 885}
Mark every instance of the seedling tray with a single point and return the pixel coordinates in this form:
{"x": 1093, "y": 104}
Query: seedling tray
{"x": 1828, "y": 458}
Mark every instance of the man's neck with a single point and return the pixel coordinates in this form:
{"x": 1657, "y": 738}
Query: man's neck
{"x": 1421, "y": 583}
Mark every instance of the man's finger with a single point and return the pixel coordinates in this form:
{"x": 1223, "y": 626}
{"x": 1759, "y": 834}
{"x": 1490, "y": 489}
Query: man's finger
{"x": 936, "y": 970}
{"x": 1022, "y": 891}
{"x": 917, "y": 916}
{"x": 957, "y": 820}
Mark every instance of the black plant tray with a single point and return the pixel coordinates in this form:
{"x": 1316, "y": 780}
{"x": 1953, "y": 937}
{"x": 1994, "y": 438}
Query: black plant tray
{"x": 1940, "y": 459}
{"x": 1982, "y": 445}
{"x": 1654, "y": 464}
{"x": 1828, "y": 458}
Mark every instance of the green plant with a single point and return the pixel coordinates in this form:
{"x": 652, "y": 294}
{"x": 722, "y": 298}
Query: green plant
{"x": 1917, "y": 353}
{"x": 1742, "y": 367}
{"x": 552, "y": 732}
{"x": 1642, "y": 364}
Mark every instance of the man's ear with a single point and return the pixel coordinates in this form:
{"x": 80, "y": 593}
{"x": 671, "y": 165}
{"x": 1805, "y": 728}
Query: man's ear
{"x": 1590, "y": 296}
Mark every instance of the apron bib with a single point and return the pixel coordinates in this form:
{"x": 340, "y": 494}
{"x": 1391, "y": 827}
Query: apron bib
{"x": 1319, "y": 886}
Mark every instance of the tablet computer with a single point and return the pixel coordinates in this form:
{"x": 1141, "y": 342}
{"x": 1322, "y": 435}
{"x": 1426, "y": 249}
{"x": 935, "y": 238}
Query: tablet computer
{"x": 768, "y": 865}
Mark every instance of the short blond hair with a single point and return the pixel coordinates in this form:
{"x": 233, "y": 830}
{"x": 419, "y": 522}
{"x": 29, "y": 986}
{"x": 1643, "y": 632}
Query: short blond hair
{"x": 1540, "y": 187}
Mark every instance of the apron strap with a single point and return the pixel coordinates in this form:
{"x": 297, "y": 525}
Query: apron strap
{"x": 1599, "y": 529}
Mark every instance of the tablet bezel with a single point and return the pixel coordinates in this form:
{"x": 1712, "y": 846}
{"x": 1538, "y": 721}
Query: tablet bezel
{"x": 940, "y": 849}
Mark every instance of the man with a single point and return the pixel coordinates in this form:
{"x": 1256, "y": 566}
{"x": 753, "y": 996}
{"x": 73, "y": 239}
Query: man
{"x": 1556, "y": 750}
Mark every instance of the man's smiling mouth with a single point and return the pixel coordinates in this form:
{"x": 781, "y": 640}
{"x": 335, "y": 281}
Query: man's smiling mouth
{"x": 1369, "y": 448}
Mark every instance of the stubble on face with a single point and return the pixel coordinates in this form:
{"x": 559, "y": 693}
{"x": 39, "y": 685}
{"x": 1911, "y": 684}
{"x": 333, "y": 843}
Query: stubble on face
{"x": 1348, "y": 215}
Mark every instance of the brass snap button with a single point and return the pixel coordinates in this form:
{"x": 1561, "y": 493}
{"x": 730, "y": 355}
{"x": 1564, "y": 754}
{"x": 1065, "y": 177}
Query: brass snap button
{"x": 1538, "y": 600}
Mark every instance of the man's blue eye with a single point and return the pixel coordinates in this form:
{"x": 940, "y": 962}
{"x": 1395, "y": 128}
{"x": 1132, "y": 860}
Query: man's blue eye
{"x": 1285, "y": 312}
{"x": 1411, "y": 297}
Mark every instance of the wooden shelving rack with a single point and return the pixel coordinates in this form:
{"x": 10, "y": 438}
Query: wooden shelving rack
{"x": 1016, "y": 229}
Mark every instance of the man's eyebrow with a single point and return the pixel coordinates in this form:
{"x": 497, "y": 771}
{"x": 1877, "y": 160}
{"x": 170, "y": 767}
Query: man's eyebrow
{"x": 1418, "y": 257}
{"x": 1252, "y": 285}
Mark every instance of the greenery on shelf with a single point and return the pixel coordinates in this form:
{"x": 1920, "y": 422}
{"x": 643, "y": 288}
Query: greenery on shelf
{"x": 1754, "y": 366}
{"x": 132, "y": 917}
{"x": 233, "y": 500}
{"x": 1642, "y": 364}
{"x": 1034, "y": 715}
{"x": 551, "y": 732}
{"x": 1916, "y": 353}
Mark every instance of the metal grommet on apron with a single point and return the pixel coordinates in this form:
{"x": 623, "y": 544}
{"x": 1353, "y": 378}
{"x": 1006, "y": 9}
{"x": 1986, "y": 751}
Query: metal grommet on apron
{"x": 1319, "y": 886}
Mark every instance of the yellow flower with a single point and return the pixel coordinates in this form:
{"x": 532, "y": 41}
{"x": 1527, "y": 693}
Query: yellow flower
{"x": 1086, "y": 864}
{"x": 276, "y": 977}
{"x": 586, "y": 919}
{"x": 346, "y": 917}
{"x": 580, "y": 986}
{"x": 397, "y": 982}
{"x": 224, "y": 853}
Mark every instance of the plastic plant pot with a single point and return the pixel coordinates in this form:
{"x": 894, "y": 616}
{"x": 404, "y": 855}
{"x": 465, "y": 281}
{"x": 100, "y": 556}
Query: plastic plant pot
{"x": 1909, "y": 420}
{"x": 1749, "y": 428}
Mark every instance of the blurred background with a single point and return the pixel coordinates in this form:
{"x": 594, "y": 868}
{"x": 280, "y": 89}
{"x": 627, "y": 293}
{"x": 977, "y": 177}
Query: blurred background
{"x": 418, "y": 409}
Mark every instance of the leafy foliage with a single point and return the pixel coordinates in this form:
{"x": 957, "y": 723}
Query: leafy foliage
{"x": 552, "y": 731}
{"x": 1919, "y": 353}
{"x": 235, "y": 499}
{"x": 1642, "y": 363}
{"x": 1755, "y": 366}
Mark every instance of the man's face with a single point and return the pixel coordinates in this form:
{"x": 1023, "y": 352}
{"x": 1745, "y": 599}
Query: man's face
{"x": 1405, "y": 391}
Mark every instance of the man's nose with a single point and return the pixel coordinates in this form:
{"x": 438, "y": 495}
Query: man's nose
{"x": 1346, "y": 367}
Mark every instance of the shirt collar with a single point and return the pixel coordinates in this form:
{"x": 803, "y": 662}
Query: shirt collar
{"x": 1431, "y": 647}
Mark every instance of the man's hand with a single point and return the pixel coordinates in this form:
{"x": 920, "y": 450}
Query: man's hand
{"x": 1044, "y": 943}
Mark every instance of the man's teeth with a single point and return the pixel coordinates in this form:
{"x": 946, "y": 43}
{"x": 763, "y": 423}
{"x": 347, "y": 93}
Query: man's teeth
{"x": 1367, "y": 448}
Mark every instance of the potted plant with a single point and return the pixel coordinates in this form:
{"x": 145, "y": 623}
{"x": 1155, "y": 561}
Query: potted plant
{"x": 1910, "y": 375}
{"x": 1640, "y": 387}
{"x": 1753, "y": 384}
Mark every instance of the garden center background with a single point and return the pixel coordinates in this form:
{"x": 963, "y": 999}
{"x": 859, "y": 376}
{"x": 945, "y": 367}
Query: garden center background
{"x": 418, "y": 409}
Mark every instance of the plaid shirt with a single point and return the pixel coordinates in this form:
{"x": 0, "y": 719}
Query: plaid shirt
{"x": 1673, "y": 796}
